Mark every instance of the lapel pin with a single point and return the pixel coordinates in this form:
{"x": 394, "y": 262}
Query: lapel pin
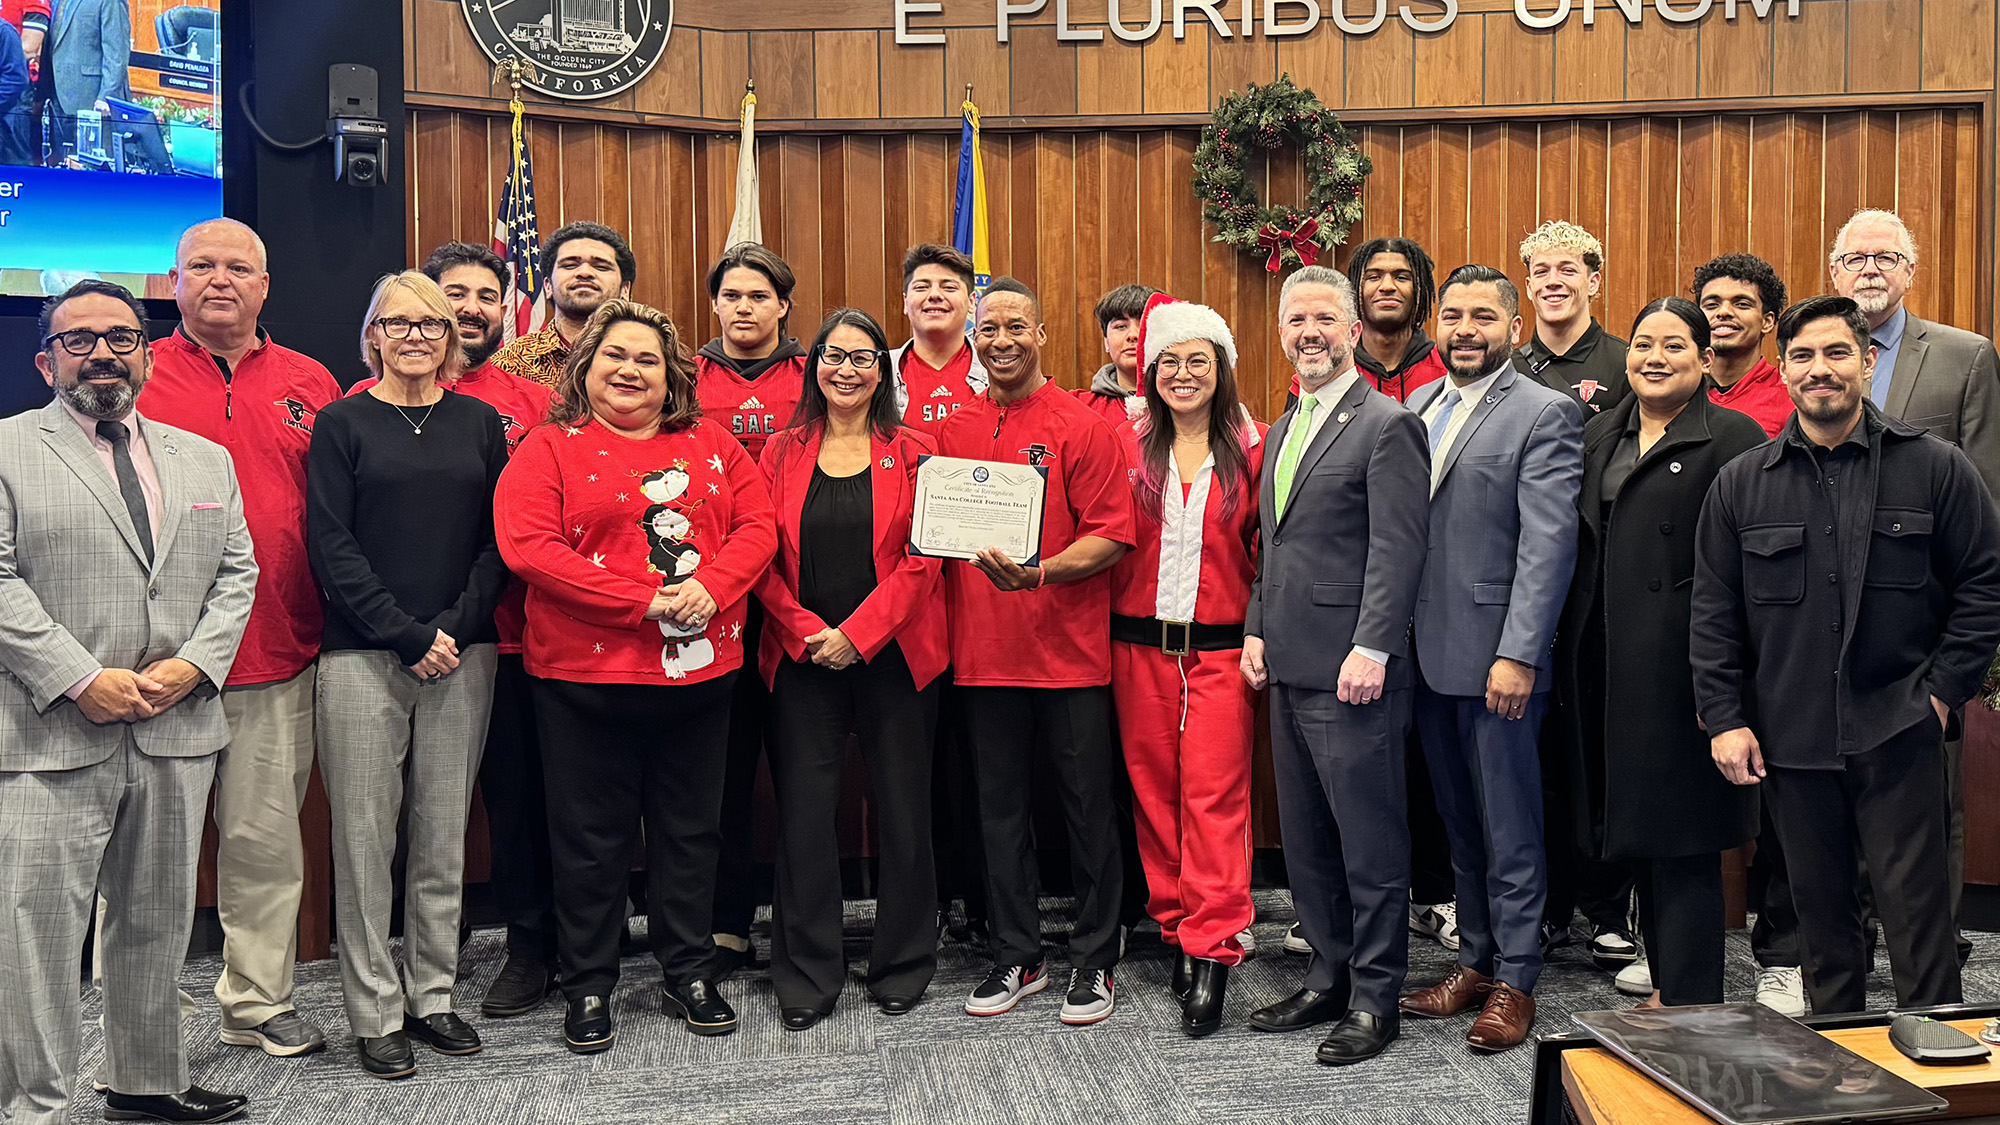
{"x": 1342, "y": 419}
{"x": 888, "y": 462}
{"x": 1674, "y": 468}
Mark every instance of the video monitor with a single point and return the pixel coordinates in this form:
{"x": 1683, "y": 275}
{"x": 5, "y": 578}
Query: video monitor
{"x": 102, "y": 166}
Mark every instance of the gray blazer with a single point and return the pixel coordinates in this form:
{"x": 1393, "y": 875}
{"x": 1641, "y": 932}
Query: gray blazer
{"x": 76, "y": 594}
{"x": 1341, "y": 569}
{"x": 1946, "y": 382}
{"x": 89, "y": 52}
{"x": 1502, "y": 537}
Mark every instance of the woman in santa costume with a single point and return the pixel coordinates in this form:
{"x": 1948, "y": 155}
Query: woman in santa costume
{"x": 1178, "y": 599}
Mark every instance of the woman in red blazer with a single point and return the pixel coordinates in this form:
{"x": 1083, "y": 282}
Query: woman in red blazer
{"x": 854, "y": 640}
{"x": 1177, "y": 604}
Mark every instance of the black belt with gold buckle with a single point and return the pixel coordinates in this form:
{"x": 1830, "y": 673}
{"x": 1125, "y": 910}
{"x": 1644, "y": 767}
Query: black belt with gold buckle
{"x": 1175, "y": 638}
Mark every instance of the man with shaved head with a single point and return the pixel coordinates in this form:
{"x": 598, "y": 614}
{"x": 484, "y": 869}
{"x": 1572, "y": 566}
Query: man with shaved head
{"x": 221, "y": 376}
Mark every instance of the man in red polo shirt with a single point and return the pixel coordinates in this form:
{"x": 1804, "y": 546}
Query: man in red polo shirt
{"x": 1031, "y": 648}
{"x": 221, "y": 376}
{"x": 1743, "y": 296}
{"x": 938, "y": 371}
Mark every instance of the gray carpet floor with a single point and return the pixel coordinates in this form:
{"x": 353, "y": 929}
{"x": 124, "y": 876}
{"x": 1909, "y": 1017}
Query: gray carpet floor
{"x": 934, "y": 1065}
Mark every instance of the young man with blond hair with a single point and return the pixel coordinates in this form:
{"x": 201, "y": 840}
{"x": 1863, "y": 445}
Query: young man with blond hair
{"x": 1569, "y": 351}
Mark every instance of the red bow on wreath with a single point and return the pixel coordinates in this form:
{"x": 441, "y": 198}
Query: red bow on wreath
{"x": 1275, "y": 239}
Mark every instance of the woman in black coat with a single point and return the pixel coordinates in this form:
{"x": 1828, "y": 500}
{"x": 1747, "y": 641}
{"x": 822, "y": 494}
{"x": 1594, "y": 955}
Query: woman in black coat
{"x": 1645, "y": 789}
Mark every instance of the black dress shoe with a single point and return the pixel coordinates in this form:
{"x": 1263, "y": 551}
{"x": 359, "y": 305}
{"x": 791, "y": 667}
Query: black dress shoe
{"x": 1201, "y": 1010}
{"x": 701, "y": 1005}
{"x": 524, "y": 982}
{"x": 798, "y": 1019}
{"x": 587, "y": 1025}
{"x": 387, "y": 1056}
{"x": 1358, "y": 1036}
{"x": 896, "y": 1005}
{"x": 1302, "y": 1009}
{"x": 191, "y": 1104}
{"x": 444, "y": 1033}
{"x": 1183, "y": 977}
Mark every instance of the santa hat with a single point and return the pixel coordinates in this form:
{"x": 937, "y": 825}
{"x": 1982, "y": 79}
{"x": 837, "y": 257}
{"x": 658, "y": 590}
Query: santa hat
{"x": 1171, "y": 322}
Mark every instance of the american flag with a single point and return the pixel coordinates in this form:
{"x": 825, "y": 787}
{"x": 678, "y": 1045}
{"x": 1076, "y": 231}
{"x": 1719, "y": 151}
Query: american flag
{"x": 517, "y": 239}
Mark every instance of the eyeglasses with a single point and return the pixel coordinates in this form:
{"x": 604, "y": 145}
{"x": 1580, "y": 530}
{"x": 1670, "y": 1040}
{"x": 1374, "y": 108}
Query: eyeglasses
{"x": 82, "y": 341}
{"x": 1885, "y": 261}
{"x": 859, "y": 359}
{"x": 1197, "y": 365}
{"x": 398, "y": 328}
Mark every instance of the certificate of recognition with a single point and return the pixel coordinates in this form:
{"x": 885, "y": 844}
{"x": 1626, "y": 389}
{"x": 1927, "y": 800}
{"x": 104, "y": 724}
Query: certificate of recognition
{"x": 964, "y": 505}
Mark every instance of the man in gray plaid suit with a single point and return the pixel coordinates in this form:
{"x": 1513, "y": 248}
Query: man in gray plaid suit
{"x": 125, "y": 582}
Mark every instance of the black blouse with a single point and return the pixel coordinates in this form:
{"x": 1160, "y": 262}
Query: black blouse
{"x": 837, "y": 545}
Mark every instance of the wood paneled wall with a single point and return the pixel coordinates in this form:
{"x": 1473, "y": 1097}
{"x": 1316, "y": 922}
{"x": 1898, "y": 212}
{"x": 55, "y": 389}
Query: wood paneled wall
{"x": 816, "y": 61}
{"x": 1076, "y": 213}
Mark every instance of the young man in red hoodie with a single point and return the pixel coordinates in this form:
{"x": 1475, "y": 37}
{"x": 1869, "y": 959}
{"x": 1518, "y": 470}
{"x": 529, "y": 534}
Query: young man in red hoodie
{"x": 1114, "y": 391}
{"x": 221, "y": 376}
{"x": 749, "y": 379}
{"x": 1031, "y": 648}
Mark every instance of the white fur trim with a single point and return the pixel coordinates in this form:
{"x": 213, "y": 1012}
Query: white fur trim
{"x": 1180, "y": 321}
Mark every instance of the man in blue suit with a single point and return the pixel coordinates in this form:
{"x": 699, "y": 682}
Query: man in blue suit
{"x": 1506, "y": 464}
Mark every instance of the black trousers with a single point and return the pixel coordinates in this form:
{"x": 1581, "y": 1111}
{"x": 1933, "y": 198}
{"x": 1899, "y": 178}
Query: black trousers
{"x": 1888, "y": 802}
{"x": 1430, "y": 848}
{"x": 1680, "y": 917}
{"x": 955, "y": 834}
{"x": 1072, "y": 727}
{"x": 749, "y": 712}
{"x": 517, "y": 818}
{"x": 1774, "y": 936}
{"x": 814, "y": 710}
{"x": 622, "y": 759}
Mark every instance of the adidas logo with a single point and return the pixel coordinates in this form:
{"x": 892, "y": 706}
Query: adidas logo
{"x": 941, "y": 392}
{"x": 751, "y": 404}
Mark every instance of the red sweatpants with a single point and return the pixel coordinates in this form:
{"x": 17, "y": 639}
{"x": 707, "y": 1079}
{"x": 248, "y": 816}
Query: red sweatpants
{"x": 1190, "y": 790}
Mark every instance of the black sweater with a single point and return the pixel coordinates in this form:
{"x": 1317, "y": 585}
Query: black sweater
{"x": 400, "y": 524}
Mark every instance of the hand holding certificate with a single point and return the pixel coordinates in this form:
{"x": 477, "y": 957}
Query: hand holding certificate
{"x": 963, "y": 506}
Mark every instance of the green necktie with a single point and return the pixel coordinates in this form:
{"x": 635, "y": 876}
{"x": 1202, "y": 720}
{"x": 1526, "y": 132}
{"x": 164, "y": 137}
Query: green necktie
{"x": 1295, "y": 445}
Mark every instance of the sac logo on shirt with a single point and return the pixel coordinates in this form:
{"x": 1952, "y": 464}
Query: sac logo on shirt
{"x": 935, "y": 411}
{"x": 742, "y": 424}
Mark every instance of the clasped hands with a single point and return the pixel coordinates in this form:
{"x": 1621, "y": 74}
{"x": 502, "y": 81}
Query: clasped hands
{"x": 686, "y": 603}
{"x": 120, "y": 695}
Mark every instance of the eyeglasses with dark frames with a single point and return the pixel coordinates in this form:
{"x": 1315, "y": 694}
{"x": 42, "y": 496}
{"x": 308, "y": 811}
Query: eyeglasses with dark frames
{"x": 83, "y": 341}
{"x": 1885, "y": 261}
{"x": 861, "y": 359}
{"x": 398, "y": 328}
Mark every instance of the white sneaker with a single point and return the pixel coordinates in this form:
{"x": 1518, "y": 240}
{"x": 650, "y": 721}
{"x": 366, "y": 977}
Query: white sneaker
{"x": 1004, "y": 987}
{"x": 1782, "y": 990}
{"x": 1635, "y": 979}
{"x": 1091, "y": 996}
{"x": 1295, "y": 942}
{"x": 1248, "y": 941}
{"x": 1439, "y": 923}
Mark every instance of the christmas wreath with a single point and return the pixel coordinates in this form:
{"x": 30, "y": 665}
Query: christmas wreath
{"x": 1277, "y": 116}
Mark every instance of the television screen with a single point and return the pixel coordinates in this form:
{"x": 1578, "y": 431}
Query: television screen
{"x": 109, "y": 138}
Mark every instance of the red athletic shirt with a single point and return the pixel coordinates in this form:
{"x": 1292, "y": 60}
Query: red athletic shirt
{"x": 596, "y": 522}
{"x": 1224, "y": 559}
{"x": 1761, "y": 394}
{"x": 935, "y": 393}
{"x": 262, "y": 413}
{"x": 1058, "y": 636}
{"x": 522, "y": 405}
{"x": 1116, "y": 412}
{"x": 752, "y": 409}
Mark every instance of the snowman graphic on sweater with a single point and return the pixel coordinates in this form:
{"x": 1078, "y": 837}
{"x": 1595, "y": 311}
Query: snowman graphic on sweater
{"x": 672, "y": 555}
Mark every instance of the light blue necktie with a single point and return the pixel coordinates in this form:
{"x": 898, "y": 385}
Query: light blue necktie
{"x": 1443, "y": 419}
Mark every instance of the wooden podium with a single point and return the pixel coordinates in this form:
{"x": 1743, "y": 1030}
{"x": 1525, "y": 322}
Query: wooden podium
{"x": 1604, "y": 1089}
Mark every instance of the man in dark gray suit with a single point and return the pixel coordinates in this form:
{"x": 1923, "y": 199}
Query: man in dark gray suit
{"x": 1506, "y": 463}
{"x": 1342, "y": 506}
{"x": 125, "y": 582}
{"x": 1934, "y": 377}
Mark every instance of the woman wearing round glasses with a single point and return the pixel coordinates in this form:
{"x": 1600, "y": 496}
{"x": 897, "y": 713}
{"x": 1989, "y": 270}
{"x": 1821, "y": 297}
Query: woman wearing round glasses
{"x": 399, "y": 526}
{"x": 854, "y": 640}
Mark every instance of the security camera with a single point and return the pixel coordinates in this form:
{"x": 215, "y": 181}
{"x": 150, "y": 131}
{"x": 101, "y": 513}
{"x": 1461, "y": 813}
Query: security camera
{"x": 360, "y": 137}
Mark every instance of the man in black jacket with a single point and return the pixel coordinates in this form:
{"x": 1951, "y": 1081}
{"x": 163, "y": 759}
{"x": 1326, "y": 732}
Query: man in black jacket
{"x": 1833, "y": 692}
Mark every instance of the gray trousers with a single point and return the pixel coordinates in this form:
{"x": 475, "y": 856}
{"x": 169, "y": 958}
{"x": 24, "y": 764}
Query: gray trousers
{"x": 130, "y": 824}
{"x": 393, "y": 748}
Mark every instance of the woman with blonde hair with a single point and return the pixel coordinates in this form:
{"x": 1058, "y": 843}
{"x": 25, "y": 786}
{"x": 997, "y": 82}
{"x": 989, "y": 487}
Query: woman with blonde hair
{"x": 399, "y": 527}
{"x": 640, "y": 527}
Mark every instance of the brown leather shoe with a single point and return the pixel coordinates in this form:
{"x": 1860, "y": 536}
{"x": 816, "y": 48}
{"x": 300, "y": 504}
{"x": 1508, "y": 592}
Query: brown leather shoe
{"x": 1461, "y": 991}
{"x": 1505, "y": 1020}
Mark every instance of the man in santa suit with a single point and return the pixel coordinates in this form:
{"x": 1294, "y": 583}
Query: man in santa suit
{"x": 1185, "y": 716}
{"x": 1031, "y": 646}
{"x": 1345, "y": 529}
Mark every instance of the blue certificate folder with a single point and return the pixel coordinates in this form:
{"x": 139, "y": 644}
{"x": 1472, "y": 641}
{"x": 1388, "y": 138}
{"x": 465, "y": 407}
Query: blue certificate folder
{"x": 1744, "y": 1064}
